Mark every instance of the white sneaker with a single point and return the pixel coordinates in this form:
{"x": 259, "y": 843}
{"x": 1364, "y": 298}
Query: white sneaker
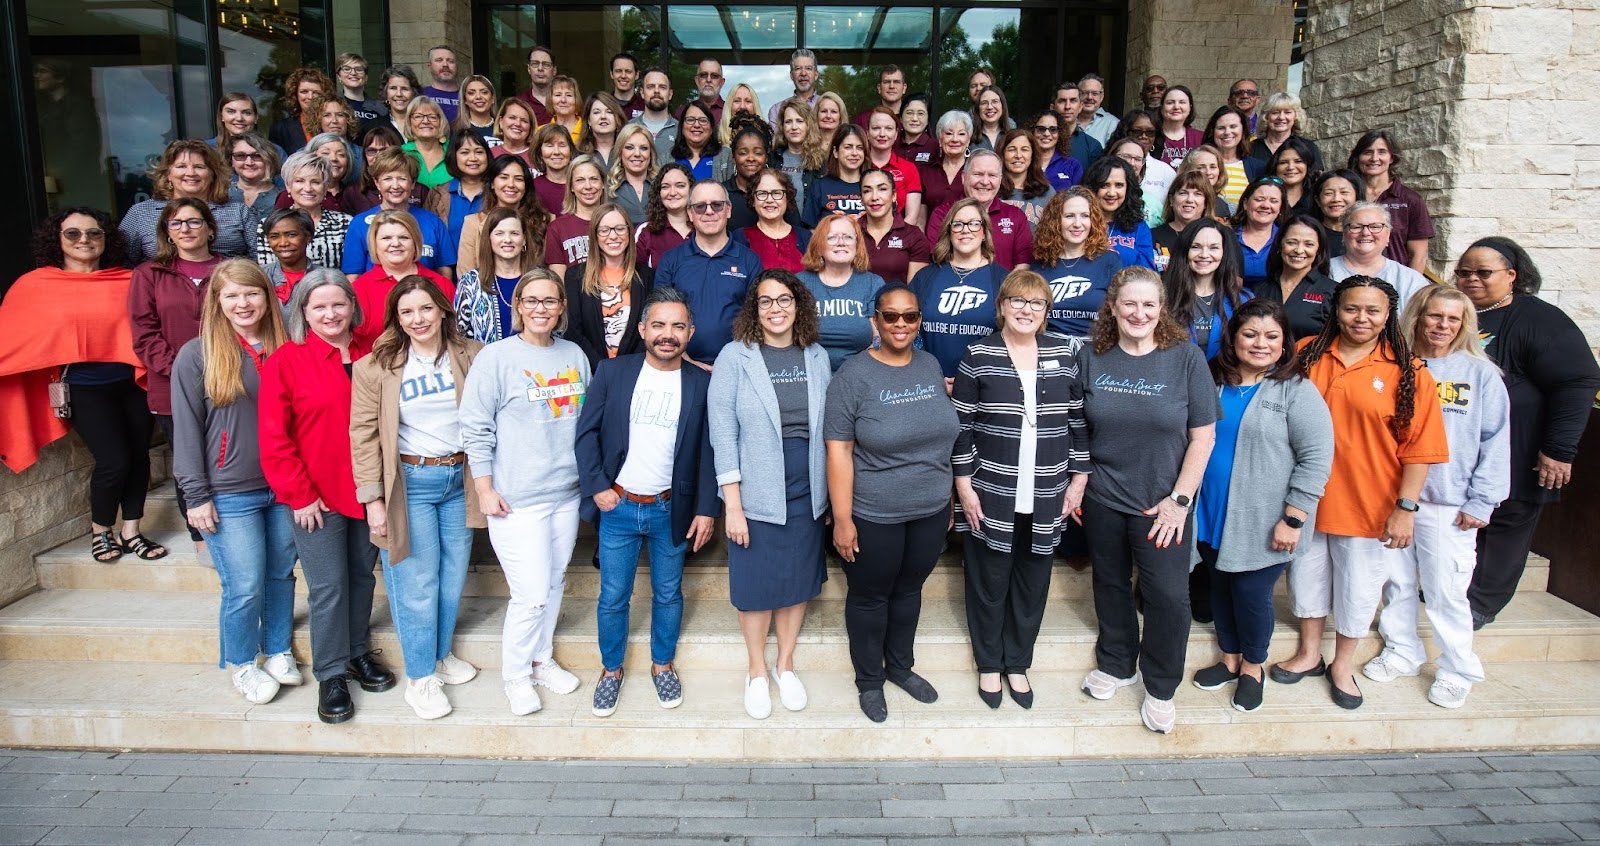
{"x": 426, "y": 697}
{"x": 523, "y": 698}
{"x": 251, "y": 681}
{"x": 1448, "y": 694}
{"x": 1386, "y": 668}
{"x": 551, "y": 675}
{"x": 453, "y": 670}
{"x": 283, "y": 668}
{"x": 1104, "y": 685}
{"x": 757, "y": 698}
{"x": 791, "y": 692}
{"x": 1159, "y": 715}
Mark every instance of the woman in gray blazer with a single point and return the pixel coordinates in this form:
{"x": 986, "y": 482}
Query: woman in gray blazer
{"x": 767, "y": 397}
{"x": 1266, "y": 473}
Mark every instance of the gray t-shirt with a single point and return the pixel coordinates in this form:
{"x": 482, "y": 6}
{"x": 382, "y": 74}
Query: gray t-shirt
{"x": 904, "y": 428}
{"x": 843, "y": 325}
{"x": 786, "y": 367}
{"x": 1140, "y": 411}
{"x": 519, "y": 418}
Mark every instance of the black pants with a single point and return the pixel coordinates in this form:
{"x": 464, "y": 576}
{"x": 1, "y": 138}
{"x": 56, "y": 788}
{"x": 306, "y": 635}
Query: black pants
{"x": 884, "y": 601}
{"x": 1117, "y": 544}
{"x": 1006, "y": 593}
{"x": 337, "y": 560}
{"x": 114, "y": 422}
{"x": 165, "y": 422}
{"x": 1503, "y": 547}
{"x": 1201, "y": 580}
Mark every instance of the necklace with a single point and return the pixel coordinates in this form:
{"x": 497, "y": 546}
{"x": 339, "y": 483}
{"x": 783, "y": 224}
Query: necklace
{"x": 1500, "y": 303}
{"x": 961, "y": 275}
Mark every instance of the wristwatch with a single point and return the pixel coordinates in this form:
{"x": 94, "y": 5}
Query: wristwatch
{"x": 1293, "y": 522}
{"x": 1407, "y": 505}
{"x": 1180, "y": 499}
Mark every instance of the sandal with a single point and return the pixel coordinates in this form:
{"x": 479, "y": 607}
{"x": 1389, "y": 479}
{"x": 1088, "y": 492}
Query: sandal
{"x": 104, "y": 547}
{"x": 143, "y": 547}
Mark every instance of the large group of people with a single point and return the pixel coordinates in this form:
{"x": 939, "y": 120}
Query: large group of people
{"x": 1195, "y": 353}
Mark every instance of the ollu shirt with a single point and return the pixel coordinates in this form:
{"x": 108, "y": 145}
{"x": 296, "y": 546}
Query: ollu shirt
{"x": 428, "y": 423}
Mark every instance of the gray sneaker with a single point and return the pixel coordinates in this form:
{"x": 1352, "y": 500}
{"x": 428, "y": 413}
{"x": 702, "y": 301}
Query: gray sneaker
{"x": 606, "y": 693}
{"x": 669, "y": 688}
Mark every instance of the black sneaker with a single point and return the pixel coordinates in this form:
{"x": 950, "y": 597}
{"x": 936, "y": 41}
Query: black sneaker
{"x": 1215, "y": 677}
{"x": 873, "y": 705}
{"x": 917, "y": 686}
{"x": 1247, "y": 696}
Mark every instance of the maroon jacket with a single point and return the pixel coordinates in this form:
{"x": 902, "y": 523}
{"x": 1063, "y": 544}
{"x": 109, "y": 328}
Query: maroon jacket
{"x": 164, "y": 306}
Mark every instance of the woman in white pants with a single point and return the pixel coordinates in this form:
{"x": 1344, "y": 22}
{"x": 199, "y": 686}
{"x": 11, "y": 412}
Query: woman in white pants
{"x": 519, "y": 419}
{"x": 1457, "y": 500}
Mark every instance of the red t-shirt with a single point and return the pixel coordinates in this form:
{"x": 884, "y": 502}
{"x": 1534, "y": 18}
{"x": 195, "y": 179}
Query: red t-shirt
{"x": 907, "y": 180}
{"x": 290, "y": 279}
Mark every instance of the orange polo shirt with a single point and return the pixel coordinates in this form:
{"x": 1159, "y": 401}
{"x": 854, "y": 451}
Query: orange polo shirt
{"x": 1365, "y": 481}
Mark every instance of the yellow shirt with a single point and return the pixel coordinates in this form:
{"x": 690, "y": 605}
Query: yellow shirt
{"x": 1237, "y": 182}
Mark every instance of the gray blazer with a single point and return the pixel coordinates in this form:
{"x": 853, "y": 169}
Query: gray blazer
{"x": 746, "y": 435}
{"x": 1283, "y": 457}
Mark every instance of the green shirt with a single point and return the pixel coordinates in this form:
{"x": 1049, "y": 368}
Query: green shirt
{"x": 425, "y": 177}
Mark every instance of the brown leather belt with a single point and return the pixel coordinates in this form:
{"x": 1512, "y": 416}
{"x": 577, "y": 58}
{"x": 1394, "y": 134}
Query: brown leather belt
{"x": 447, "y": 461}
{"x": 664, "y": 496}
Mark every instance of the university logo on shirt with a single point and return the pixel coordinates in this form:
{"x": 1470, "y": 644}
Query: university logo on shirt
{"x": 1069, "y": 288}
{"x": 1006, "y": 225}
{"x": 961, "y": 298}
{"x": 1454, "y": 396}
{"x": 846, "y": 205}
{"x": 895, "y": 243}
{"x": 561, "y": 393}
{"x": 733, "y": 270}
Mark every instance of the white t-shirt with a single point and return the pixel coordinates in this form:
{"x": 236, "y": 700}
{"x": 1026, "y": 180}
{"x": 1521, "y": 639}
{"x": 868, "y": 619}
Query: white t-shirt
{"x": 428, "y": 423}
{"x": 652, "y": 431}
{"x": 1028, "y": 447}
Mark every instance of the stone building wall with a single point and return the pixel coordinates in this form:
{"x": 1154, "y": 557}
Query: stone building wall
{"x": 1495, "y": 104}
{"x": 42, "y": 507}
{"x": 1207, "y": 44}
{"x": 417, "y": 26}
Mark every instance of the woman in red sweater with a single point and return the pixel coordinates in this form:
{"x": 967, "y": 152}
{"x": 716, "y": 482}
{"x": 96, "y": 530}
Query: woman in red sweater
{"x": 305, "y": 453}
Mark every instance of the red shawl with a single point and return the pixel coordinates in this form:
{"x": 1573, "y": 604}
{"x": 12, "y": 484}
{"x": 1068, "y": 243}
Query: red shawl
{"x": 51, "y": 318}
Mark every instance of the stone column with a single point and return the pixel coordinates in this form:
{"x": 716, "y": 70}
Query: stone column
{"x": 41, "y": 508}
{"x": 417, "y": 26}
{"x": 1207, "y": 44}
{"x": 1497, "y": 107}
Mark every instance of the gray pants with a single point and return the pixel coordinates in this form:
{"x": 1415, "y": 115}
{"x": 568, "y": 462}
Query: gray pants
{"x": 337, "y": 560}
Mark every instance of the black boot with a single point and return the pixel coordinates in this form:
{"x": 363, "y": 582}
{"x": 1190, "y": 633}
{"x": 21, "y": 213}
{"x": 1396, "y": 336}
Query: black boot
{"x": 368, "y": 673}
{"x": 333, "y": 700}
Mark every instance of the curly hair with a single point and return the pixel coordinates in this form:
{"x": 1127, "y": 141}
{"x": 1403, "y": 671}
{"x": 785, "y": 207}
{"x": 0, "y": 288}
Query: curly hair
{"x": 655, "y": 214}
{"x": 291, "y": 87}
{"x": 1103, "y": 333}
{"x": 311, "y": 119}
{"x": 1050, "y": 243}
{"x": 747, "y": 325}
{"x": 1130, "y": 214}
{"x": 1391, "y": 341}
{"x": 47, "y": 250}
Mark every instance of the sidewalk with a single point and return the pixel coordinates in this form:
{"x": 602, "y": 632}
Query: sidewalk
{"x": 241, "y": 800}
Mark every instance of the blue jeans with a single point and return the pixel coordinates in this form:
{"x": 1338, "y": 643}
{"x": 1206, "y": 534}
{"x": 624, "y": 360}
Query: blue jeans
{"x": 622, "y": 530}
{"x": 253, "y": 551}
{"x": 425, "y": 589}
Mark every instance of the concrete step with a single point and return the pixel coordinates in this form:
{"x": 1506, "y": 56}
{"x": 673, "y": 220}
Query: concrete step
{"x": 98, "y": 625}
{"x": 188, "y": 706}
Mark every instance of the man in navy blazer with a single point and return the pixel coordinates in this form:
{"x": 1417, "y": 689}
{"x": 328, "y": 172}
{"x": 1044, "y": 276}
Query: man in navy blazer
{"x": 646, "y": 474}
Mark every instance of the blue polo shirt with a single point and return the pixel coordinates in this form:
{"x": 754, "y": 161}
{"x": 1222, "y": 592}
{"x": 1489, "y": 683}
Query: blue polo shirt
{"x": 1063, "y": 172}
{"x": 437, "y": 250}
{"x": 1255, "y": 261}
{"x": 715, "y": 286}
{"x": 460, "y": 207}
{"x": 1084, "y": 148}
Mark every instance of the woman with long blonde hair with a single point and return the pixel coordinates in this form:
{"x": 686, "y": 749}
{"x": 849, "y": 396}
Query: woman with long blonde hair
{"x": 216, "y": 460}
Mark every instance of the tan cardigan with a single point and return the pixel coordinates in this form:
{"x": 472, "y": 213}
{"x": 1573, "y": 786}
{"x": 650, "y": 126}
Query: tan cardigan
{"x": 375, "y": 440}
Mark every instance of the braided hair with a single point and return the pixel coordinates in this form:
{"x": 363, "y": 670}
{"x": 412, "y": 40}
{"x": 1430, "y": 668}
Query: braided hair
{"x": 1389, "y": 337}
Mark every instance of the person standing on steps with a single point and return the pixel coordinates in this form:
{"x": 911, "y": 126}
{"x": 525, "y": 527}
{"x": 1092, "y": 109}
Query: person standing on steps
{"x": 304, "y": 420}
{"x": 519, "y": 421}
{"x": 645, "y": 471}
{"x": 766, "y": 399}
{"x": 216, "y": 462}
{"x": 890, "y": 430}
{"x": 410, "y": 472}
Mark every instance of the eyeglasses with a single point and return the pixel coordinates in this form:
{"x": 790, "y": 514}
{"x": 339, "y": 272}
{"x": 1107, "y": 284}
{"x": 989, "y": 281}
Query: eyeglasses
{"x": 696, "y": 121}
{"x": 713, "y": 207}
{"x": 1154, "y": 87}
{"x": 613, "y": 231}
{"x": 783, "y": 302}
{"x": 704, "y": 75}
{"x": 771, "y": 195}
{"x": 186, "y": 223}
{"x": 541, "y": 63}
{"x": 1373, "y": 228}
{"x": 428, "y": 117}
{"x": 890, "y": 318}
{"x": 249, "y": 157}
{"x": 1141, "y": 133}
{"x": 1047, "y": 130}
{"x": 540, "y": 303}
{"x": 1025, "y": 304}
{"x": 966, "y": 226}
{"x": 841, "y": 239}
{"x": 1481, "y": 274}
{"x": 84, "y": 234}
{"x": 1270, "y": 180}
{"x": 1243, "y": 92}
{"x": 353, "y": 69}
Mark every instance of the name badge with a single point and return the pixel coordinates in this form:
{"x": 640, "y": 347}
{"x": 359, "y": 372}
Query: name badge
{"x": 1049, "y": 364}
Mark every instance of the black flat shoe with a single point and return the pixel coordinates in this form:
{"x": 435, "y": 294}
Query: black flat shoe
{"x": 1282, "y": 675}
{"x": 1215, "y": 677}
{"x": 368, "y": 673}
{"x": 1248, "y": 695}
{"x": 1347, "y": 701}
{"x": 992, "y": 698}
{"x": 873, "y": 705}
{"x": 1021, "y": 697}
{"x": 916, "y": 686}
{"x": 333, "y": 700}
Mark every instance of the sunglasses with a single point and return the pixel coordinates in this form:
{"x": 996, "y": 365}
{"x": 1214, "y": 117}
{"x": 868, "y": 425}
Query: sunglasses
{"x": 910, "y": 318}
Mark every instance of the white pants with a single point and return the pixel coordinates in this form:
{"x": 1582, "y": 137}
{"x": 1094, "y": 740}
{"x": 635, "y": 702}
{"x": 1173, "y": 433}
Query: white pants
{"x": 1343, "y": 576}
{"x": 534, "y": 545}
{"x": 1441, "y": 557}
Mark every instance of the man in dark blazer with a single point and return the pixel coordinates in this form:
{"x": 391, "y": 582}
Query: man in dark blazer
{"x": 645, "y": 470}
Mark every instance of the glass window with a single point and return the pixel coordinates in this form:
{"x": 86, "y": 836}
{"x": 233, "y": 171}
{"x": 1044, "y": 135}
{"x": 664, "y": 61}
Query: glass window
{"x": 1023, "y": 46}
{"x": 853, "y": 43}
{"x": 752, "y": 42}
{"x": 589, "y": 37}
{"x": 260, "y": 48}
{"x": 513, "y": 31}
{"x": 362, "y": 27}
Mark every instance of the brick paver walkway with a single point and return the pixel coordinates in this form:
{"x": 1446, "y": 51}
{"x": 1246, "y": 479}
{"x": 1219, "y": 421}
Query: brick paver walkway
{"x": 240, "y": 800}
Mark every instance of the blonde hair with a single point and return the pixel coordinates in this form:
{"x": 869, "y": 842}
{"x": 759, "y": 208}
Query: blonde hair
{"x": 569, "y": 205}
{"x": 1021, "y": 283}
{"x": 396, "y": 218}
{"x": 725, "y": 130}
{"x": 538, "y": 274}
{"x": 1466, "y": 340}
{"x": 813, "y": 150}
{"x": 619, "y": 174}
{"x": 594, "y": 266}
{"x": 844, "y": 113}
{"x": 219, "y": 342}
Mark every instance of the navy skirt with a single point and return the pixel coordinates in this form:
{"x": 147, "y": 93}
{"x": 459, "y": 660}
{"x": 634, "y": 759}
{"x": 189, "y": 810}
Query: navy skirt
{"x": 783, "y": 565}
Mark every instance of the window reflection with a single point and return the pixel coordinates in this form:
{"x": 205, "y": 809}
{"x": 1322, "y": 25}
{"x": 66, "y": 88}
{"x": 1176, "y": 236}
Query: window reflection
{"x": 1021, "y": 45}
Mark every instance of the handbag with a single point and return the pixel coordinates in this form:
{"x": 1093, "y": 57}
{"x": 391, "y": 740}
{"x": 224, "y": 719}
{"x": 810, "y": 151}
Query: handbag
{"x": 61, "y": 396}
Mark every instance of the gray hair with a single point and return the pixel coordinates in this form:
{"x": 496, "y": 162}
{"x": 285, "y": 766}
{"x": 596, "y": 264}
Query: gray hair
{"x": 1350, "y": 213}
{"x": 665, "y": 296}
{"x": 1092, "y": 77}
{"x": 1284, "y": 101}
{"x": 295, "y": 322}
{"x": 949, "y": 119}
{"x": 982, "y": 153}
{"x": 352, "y": 173}
{"x": 802, "y": 53}
{"x": 305, "y": 159}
